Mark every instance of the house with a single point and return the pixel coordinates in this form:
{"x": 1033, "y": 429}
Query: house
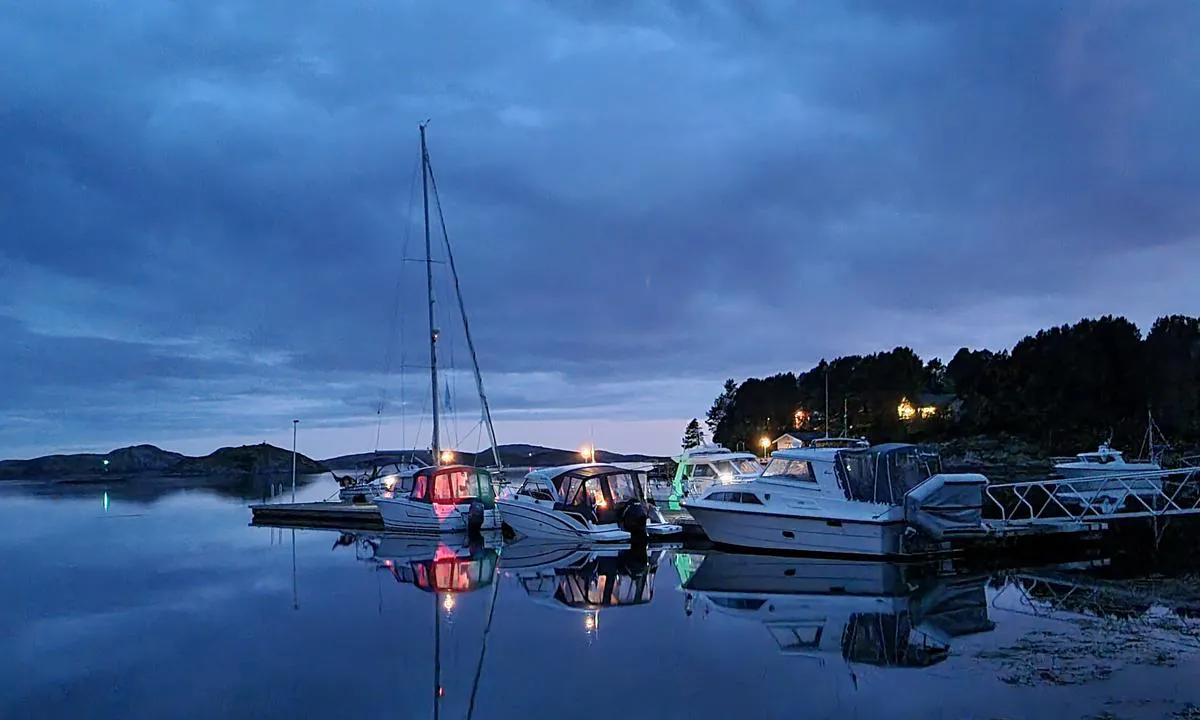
{"x": 795, "y": 439}
{"x": 928, "y": 405}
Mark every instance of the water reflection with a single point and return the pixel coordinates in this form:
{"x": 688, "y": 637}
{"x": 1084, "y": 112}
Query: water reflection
{"x": 103, "y": 613}
{"x": 865, "y": 612}
{"x": 583, "y": 579}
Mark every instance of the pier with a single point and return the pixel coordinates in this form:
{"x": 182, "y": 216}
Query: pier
{"x": 365, "y": 517}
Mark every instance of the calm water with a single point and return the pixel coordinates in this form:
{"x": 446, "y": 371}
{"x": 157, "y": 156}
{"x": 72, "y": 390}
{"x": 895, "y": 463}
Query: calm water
{"x": 175, "y": 607}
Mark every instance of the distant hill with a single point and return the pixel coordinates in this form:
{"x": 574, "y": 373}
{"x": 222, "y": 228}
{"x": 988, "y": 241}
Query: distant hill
{"x": 138, "y": 460}
{"x": 514, "y": 455}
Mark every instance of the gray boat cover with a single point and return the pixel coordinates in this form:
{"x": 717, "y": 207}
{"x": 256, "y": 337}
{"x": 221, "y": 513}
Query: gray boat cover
{"x": 946, "y": 506}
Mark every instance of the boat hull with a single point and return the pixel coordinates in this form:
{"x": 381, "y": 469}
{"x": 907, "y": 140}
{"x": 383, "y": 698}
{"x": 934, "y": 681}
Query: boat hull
{"x": 536, "y": 522}
{"x": 827, "y": 536}
{"x": 403, "y": 515}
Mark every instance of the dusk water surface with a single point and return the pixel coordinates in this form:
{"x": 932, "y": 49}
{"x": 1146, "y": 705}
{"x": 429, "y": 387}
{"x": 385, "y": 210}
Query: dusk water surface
{"x": 177, "y": 608}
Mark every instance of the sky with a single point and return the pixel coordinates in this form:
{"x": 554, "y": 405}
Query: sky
{"x": 211, "y": 225}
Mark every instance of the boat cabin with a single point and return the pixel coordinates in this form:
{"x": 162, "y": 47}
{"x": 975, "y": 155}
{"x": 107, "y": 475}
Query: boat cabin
{"x": 715, "y": 462}
{"x": 447, "y": 485}
{"x": 593, "y": 492}
{"x": 879, "y": 474}
{"x": 1103, "y": 456}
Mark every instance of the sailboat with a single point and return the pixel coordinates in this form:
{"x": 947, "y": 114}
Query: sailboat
{"x": 444, "y": 497}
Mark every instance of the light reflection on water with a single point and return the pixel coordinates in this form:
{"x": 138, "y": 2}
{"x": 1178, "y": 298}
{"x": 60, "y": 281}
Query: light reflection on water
{"x": 175, "y": 607}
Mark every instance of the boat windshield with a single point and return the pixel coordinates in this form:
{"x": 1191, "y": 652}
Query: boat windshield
{"x": 622, "y": 487}
{"x": 746, "y": 466}
{"x": 783, "y": 468}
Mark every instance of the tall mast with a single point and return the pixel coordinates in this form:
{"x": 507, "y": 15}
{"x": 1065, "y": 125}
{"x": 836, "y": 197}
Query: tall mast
{"x": 433, "y": 333}
{"x": 462, "y": 309}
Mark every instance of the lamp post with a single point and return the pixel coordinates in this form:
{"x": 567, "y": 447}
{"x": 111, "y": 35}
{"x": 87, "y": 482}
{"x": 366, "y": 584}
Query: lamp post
{"x": 765, "y": 442}
{"x": 295, "y": 423}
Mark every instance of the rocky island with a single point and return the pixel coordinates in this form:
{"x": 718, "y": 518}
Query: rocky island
{"x": 149, "y": 461}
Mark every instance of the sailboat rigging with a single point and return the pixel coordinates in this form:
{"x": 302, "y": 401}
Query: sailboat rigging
{"x": 445, "y": 497}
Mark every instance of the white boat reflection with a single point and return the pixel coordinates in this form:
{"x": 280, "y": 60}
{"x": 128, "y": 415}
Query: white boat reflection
{"x": 871, "y": 613}
{"x": 446, "y": 564}
{"x": 583, "y": 578}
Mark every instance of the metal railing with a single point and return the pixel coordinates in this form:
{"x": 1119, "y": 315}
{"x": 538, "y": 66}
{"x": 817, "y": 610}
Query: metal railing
{"x": 1151, "y": 493}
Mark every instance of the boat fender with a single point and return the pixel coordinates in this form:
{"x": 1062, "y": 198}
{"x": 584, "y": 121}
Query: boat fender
{"x": 475, "y": 518}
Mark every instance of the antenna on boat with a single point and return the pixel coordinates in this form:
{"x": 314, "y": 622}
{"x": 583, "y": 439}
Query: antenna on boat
{"x": 435, "y": 449}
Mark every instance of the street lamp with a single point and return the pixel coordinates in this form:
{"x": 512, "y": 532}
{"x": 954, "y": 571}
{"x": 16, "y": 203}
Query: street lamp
{"x": 765, "y": 442}
{"x": 295, "y": 423}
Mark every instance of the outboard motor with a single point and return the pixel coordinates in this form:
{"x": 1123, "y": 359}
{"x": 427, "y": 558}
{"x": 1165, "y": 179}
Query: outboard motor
{"x": 475, "y": 519}
{"x": 633, "y": 520}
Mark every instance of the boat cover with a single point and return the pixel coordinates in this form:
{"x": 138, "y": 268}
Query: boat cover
{"x": 946, "y": 506}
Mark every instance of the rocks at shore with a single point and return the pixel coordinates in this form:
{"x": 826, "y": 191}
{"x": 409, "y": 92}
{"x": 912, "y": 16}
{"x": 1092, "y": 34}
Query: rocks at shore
{"x": 1001, "y": 457}
{"x": 148, "y": 460}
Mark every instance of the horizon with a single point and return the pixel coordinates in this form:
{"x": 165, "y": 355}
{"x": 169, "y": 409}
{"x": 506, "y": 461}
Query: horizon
{"x": 214, "y": 209}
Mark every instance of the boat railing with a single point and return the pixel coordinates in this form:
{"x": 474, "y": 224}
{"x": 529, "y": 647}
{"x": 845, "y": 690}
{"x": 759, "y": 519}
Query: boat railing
{"x": 1102, "y": 497}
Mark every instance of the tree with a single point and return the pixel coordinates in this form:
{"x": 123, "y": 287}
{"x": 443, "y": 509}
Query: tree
{"x": 721, "y": 406}
{"x": 693, "y": 436}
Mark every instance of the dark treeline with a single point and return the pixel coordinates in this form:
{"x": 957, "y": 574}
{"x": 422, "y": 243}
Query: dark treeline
{"x": 1064, "y": 389}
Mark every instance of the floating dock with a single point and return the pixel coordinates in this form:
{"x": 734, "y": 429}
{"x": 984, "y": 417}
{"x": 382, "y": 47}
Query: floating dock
{"x": 324, "y": 515}
{"x": 365, "y": 517}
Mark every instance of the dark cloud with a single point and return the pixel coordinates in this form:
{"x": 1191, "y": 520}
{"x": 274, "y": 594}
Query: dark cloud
{"x": 207, "y": 205}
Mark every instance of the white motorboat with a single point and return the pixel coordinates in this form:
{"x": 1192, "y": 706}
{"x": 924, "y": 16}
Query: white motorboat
{"x": 869, "y": 613}
{"x": 593, "y": 502}
{"x": 379, "y": 476}
{"x": 880, "y": 501}
{"x": 446, "y": 499}
{"x": 1106, "y": 478}
{"x": 699, "y": 467}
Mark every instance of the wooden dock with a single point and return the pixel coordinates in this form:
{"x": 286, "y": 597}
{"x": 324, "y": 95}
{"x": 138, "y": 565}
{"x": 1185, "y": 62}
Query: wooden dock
{"x": 326, "y": 515}
{"x": 365, "y": 516}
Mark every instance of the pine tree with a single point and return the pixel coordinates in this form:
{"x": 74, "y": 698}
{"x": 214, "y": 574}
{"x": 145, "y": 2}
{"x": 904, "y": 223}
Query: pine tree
{"x": 720, "y": 406}
{"x": 693, "y": 436}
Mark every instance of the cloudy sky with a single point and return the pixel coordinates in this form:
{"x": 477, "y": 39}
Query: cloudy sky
{"x": 208, "y": 205}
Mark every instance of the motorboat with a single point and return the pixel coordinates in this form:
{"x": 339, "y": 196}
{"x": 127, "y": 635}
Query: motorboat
{"x": 446, "y": 499}
{"x": 699, "y": 467}
{"x": 594, "y": 502}
{"x": 377, "y": 476}
{"x": 884, "y": 500}
{"x": 869, "y": 613}
{"x": 1106, "y": 478}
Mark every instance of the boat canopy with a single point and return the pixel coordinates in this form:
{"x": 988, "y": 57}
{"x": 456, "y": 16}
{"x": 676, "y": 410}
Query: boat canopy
{"x": 452, "y": 485}
{"x": 882, "y": 473}
{"x": 593, "y": 490}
